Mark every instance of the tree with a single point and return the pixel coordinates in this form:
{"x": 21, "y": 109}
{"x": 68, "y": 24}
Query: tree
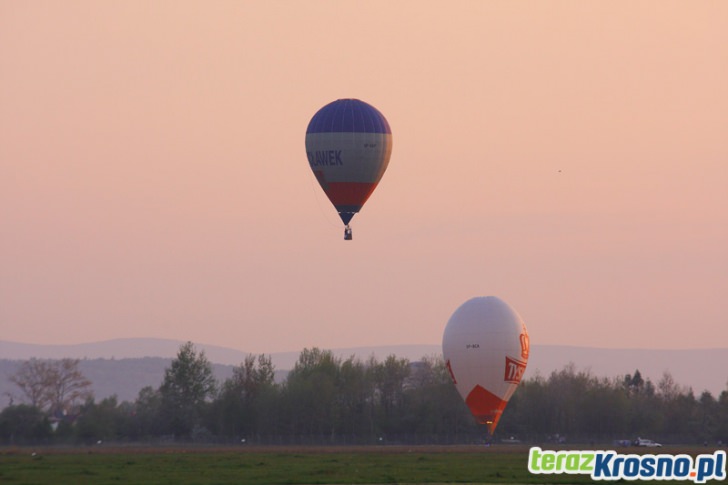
{"x": 237, "y": 408}
{"x": 634, "y": 384}
{"x": 147, "y": 413}
{"x": 252, "y": 374}
{"x": 187, "y": 385}
{"x": 390, "y": 377}
{"x": 23, "y": 424}
{"x": 721, "y": 432}
{"x": 530, "y": 411}
{"x": 435, "y": 408}
{"x": 355, "y": 399}
{"x": 706, "y": 418}
{"x": 54, "y": 386}
{"x": 68, "y": 385}
{"x": 678, "y": 405}
{"x": 101, "y": 421}
{"x": 310, "y": 393}
{"x": 32, "y": 378}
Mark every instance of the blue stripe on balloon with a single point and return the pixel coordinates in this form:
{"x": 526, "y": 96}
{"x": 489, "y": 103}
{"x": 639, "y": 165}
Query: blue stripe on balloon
{"x": 347, "y": 212}
{"x": 348, "y": 116}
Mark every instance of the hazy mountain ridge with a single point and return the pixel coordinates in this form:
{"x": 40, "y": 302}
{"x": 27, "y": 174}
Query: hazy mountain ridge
{"x": 124, "y": 366}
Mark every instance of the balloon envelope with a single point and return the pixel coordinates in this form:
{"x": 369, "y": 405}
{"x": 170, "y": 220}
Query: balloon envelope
{"x": 348, "y": 144}
{"x": 485, "y": 346}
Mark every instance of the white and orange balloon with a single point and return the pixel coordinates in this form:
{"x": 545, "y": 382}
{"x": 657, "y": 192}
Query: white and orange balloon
{"x": 485, "y": 346}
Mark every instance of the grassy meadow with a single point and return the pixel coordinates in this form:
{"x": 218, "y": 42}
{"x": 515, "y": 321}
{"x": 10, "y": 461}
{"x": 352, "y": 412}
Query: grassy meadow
{"x": 270, "y": 466}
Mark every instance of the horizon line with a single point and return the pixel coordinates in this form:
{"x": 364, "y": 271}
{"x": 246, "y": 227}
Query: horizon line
{"x": 119, "y": 339}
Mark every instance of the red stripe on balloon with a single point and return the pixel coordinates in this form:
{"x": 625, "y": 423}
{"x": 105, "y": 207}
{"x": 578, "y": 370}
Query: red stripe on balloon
{"x": 349, "y": 193}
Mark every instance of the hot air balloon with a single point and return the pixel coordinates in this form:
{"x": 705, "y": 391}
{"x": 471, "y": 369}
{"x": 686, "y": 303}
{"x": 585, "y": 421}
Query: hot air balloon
{"x": 485, "y": 346}
{"x": 348, "y": 144}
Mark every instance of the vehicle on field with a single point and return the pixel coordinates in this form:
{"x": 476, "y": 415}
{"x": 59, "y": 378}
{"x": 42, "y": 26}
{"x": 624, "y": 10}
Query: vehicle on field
{"x": 646, "y": 443}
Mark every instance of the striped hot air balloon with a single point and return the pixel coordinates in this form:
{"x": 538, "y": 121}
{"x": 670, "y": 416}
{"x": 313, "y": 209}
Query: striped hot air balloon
{"x": 348, "y": 144}
{"x": 485, "y": 346}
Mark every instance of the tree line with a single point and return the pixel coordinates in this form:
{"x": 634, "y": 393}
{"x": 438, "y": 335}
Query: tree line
{"x": 330, "y": 400}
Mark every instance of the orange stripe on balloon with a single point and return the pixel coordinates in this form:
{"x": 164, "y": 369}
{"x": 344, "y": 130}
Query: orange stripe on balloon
{"x": 486, "y": 407}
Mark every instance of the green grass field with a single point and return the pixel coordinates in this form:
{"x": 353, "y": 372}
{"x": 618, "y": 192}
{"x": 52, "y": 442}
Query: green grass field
{"x": 270, "y": 466}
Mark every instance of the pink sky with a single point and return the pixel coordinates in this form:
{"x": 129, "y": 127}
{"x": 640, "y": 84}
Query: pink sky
{"x": 570, "y": 158}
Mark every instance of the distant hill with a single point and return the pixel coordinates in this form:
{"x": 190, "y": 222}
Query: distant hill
{"x": 124, "y": 366}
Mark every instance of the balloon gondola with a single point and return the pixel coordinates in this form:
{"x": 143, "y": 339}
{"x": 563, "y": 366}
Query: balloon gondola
{"x": 348, "y": 145}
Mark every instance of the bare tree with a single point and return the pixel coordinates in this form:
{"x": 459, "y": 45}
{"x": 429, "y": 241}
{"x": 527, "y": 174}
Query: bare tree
{"x": 32, "y": 378}
{"x": 52, "y": 385}
{"x": 68, "y": 386}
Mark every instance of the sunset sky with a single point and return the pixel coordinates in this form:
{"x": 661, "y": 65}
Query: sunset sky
{"x": 570, "y": 158}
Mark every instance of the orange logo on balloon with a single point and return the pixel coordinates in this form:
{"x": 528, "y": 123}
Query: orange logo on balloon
{"x": 525, "y": 344}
